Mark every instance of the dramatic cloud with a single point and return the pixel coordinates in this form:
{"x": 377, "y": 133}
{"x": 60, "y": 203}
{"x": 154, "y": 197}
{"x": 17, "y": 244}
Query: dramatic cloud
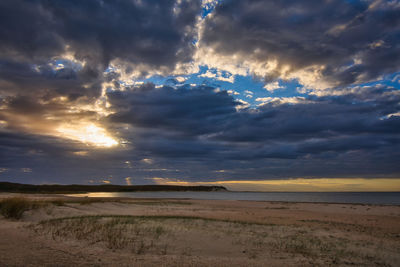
{"x": 154, "y": 33}
{"x": 201, "y": 124}
{"x": 135, "y": 92}
{"x": 194, "y": 132}
{"x": 321, "y": 43}
{"x": 57, "y": 61}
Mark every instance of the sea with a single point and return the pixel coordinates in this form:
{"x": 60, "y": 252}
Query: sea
{"x": 376, "y": 198}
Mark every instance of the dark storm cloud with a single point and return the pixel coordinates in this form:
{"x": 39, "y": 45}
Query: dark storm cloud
{"x": 303, "y": 34}
{"x": 206, "y": 123}
{"x": 50, "y": 160}
{"x": 42, "y": 81}
{"x": 192, "y": 133}
{"x": 16, "y": 146}
{"x": 155, "y": 33}
{"x": 322, "y": 118}
{"x": 35, "y": 35}
{"x": 189, "y": 111}
{"x": 196, "y": 131}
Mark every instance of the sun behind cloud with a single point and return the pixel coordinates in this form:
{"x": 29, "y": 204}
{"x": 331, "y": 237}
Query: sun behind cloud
{"x": 87, "y": 133}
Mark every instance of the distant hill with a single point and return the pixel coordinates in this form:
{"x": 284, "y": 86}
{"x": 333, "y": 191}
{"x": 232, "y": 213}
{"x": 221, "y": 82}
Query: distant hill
{"x": 75, "y": 188}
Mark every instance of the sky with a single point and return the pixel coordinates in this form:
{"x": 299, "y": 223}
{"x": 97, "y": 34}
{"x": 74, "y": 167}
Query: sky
{"x": 253, "y": 95}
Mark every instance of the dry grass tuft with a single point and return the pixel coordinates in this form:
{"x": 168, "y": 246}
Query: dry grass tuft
{"x": 14, "y": 208}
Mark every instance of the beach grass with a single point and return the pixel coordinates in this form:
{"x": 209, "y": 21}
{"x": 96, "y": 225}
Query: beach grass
{"x": 170, "y": 235}
{"x": 14, "y": 208}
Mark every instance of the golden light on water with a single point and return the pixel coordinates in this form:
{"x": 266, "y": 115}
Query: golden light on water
{"x": 87, "y": 133}
{"x": 300, "y": 184}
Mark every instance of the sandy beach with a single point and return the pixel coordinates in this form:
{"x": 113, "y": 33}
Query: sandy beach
{"x": 68, "y": 231}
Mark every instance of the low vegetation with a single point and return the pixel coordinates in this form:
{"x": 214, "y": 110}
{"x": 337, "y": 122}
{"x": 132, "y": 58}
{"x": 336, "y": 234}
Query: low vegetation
{"x": 114, "y": 232}
{"x": 325, "y": 243}
{"x": 14, "y": 208}
{"x": 174, "y": 235}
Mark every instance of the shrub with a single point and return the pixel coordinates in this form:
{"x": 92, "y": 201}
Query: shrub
{"x": 13, "y": 208}
{"x": 58, "y": 202}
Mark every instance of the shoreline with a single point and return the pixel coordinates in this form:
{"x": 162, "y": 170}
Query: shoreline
{"x": 82, "y": 195}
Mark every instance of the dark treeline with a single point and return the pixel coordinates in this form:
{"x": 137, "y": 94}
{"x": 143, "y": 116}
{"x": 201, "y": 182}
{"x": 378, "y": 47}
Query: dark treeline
{"x": 75, "y": 188}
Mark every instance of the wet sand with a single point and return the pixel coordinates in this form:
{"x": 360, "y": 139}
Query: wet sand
{"x": 176, "y": 232}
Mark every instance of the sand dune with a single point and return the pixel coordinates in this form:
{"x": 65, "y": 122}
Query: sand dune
{"x": 171, "y": 232}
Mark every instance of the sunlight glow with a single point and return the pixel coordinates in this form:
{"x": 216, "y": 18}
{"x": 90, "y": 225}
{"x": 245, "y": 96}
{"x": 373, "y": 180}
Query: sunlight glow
{"x": 299, "y": 184}
{"x": 87, "y": 133}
